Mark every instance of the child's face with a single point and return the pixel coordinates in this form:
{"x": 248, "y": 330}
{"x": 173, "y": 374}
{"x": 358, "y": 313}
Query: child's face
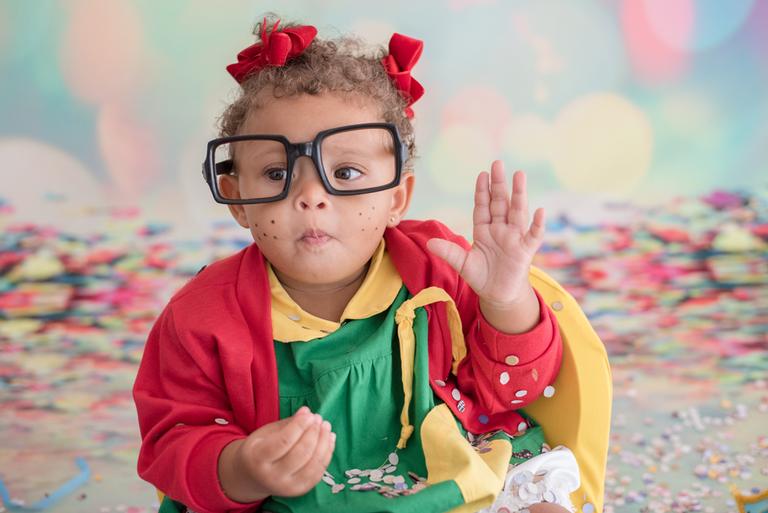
{"x": 312, "y": 237}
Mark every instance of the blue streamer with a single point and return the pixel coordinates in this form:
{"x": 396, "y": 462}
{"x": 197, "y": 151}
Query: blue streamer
{"x": 67, "y": 488}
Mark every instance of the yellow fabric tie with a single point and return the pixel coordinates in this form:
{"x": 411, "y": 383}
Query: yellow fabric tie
{"x": 404, "y": 319}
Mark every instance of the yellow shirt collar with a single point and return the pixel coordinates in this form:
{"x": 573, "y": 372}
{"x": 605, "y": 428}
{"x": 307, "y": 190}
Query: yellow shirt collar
{"x": 290, "y": 323}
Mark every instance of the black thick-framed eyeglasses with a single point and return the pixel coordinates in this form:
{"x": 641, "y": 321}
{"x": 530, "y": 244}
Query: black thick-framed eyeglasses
{"x": 219, "y": 161}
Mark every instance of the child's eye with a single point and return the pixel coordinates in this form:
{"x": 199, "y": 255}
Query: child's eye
{"x": 347, "y": 173}
{"x": 276, "y": 173}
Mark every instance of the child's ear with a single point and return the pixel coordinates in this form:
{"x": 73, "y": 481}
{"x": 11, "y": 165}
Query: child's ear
{"x": 231, "y": 189}
{"x": 401, "y": 199}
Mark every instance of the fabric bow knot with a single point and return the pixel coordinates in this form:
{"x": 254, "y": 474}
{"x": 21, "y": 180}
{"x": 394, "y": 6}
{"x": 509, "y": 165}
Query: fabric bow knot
{"x": 404, "y": 51}
{"x": 274, "y": 49}
{"x": 405, "y": 313}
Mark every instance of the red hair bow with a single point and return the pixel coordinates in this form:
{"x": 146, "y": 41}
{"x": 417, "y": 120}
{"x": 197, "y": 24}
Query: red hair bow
{"x": 274, "y": 49}
{"x": 404, "y": 51}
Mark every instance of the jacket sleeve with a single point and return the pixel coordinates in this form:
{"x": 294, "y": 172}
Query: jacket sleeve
{"x": 505, "y": 371}
{"x": 185, "y": 419}
{"x": 510, "y": 371}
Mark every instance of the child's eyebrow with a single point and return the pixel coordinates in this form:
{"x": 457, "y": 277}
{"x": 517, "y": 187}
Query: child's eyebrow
{"x": 355, "y": 148}
{"x": 342, "y": 147}
{"x": 352, "y": 152}
{"x": 260, "y": 150}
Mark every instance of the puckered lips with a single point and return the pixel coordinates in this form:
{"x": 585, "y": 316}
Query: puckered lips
{"x": 314, "y": 237}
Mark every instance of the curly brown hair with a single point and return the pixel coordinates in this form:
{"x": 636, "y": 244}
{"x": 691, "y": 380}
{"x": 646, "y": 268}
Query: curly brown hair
{"x": 338, "y": 65}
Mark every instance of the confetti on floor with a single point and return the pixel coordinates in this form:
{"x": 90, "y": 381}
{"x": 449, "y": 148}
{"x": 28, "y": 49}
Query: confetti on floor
{"x": 677, "y": 292}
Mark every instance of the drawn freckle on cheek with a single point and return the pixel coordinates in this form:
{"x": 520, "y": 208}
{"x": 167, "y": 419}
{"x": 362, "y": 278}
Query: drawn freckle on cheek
{"x": 273, "y": 221}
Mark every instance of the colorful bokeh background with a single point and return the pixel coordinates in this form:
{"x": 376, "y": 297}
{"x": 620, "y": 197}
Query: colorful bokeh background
{"x": 648, "y": 105}
{"x": 114, "y": 100}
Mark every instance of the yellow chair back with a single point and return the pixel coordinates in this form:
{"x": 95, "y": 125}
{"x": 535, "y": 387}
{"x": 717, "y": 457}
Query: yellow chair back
{"x": 578, "y": 416}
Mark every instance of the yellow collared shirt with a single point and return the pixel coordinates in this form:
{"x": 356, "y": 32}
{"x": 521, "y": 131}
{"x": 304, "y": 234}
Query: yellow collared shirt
{"x": 290, "y": 323}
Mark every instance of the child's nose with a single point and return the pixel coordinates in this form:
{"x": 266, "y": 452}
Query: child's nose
{"x": 307, "y": 188}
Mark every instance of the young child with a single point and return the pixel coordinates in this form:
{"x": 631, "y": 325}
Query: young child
{"x": 348, "y": 360}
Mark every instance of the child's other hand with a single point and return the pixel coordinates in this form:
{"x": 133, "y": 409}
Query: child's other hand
{"x": 497, "y": 265}
{"x": 288, "y": 457}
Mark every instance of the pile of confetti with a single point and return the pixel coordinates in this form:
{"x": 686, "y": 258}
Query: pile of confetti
{"x": 75, "y": 312}
{"x": 683, "y": 287}
{"x": 678, "y": 293}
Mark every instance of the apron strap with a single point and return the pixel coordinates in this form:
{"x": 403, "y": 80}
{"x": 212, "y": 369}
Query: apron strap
{"x": 404, "y": 317}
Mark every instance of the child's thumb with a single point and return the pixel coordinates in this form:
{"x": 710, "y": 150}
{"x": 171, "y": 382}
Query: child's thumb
{"x": 452, "y": 253}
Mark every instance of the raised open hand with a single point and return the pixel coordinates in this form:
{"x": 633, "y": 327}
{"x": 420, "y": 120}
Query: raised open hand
{"x": 497, "y": 265}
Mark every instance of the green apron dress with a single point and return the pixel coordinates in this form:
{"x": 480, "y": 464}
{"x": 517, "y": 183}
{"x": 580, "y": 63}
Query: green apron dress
{"x": 352, "y": 378}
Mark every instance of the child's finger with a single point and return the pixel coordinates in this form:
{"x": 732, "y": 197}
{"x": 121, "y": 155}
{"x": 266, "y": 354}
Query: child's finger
{"x": 330, "y": 446}
{"x": 481, "y": 214}
{"x": 451, "y": 252}
{"x": 302, "y": 451}
{"x": 282, "y": 436}
{"x": 499, "y": 199}
{"x": 518, "y": 212}
{"x": 535, "y": 236}
{"x": 321, "y": 458}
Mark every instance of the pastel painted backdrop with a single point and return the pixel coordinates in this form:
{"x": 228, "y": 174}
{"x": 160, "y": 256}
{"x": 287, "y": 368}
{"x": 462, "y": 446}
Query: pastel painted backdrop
{"x": 641, "y": 100}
